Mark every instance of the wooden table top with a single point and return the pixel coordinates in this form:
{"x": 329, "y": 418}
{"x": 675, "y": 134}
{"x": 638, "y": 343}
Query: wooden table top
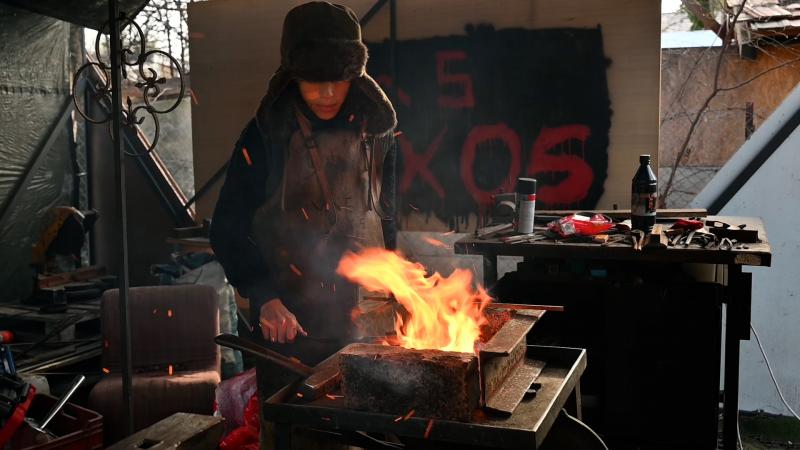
{"x": 757, "y": 254}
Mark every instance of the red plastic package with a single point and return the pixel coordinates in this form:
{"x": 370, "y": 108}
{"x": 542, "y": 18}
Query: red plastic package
{"x": 687, "y": 224}
{"x": 246, "y": 436}
{"x": 578, "y": 225}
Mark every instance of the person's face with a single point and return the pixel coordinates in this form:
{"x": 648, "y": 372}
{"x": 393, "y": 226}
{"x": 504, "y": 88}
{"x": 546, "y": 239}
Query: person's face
{"x": 325, "y": 99}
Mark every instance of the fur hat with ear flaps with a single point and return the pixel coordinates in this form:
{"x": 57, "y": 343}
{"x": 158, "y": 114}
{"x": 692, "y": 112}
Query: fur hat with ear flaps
{"x": 322, "y": 42}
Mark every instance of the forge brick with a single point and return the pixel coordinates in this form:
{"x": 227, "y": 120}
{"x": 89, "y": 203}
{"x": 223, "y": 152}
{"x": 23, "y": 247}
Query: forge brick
{"x": 395, "y": 380}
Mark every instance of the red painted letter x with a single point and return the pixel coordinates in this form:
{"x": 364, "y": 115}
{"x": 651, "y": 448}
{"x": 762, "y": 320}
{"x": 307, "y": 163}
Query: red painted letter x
{"x": 416, "y": 163}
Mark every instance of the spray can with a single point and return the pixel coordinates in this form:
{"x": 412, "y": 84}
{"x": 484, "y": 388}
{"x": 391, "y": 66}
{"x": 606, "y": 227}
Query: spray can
{"x": 526, "y": 194}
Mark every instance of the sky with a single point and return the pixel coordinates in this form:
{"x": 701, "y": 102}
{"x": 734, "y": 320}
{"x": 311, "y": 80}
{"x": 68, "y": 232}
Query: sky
{"x": 668, "y": 6}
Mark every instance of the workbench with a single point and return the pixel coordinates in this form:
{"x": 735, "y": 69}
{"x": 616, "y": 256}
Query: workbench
{"x": 735, "y": 292}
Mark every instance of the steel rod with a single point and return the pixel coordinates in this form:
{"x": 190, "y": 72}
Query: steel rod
{"x": 509, "y": 306}
{"x": 372, "y": 11}
{"x": 115, "y": 59}
{"x": 63, "y": 400}
{"x": 393, "y": 50}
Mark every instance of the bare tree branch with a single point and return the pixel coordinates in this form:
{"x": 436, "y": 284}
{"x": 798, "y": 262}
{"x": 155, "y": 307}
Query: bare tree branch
{"x": 684, "y": 148}
{"x": 759, "y": 75}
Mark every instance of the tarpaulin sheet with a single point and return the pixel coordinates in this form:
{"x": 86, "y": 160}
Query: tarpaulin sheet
{"x": 88, "y": 13}
{"x": 35, "y": 73}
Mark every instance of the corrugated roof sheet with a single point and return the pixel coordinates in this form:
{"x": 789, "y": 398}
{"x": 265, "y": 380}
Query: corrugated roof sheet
{"x": 774, "y": 25}
{"x": 768, "y": 15}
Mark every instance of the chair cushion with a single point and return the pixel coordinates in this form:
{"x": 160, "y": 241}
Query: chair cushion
{"x": 155, "y": 397}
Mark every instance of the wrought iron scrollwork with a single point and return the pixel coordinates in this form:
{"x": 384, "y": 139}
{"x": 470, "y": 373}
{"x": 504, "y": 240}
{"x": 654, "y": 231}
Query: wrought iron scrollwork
{"x": 149, "y": 83}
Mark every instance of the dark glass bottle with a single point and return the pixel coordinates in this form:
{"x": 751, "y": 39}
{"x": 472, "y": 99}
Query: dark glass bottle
{"x": 644, "y": 194}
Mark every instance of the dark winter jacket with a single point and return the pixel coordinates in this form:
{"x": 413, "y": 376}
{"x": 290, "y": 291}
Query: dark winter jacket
{"x": 313, "y": 34}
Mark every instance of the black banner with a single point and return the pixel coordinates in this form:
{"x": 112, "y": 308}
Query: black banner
{"x": 477, "y": 111}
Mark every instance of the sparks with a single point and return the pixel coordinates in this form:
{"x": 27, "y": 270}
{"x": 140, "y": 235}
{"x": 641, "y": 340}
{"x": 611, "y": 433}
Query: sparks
{"x": 428, "y": 429}
{"x": 436, "y": 242}
{"x": 169, "y": 313}
{"x": 106, "y": 371}
{"x": 169, "y": 369}
{"x": 305, "y": 214}
{"x": 295, "y": 270}
{"x": 246, "y": 155}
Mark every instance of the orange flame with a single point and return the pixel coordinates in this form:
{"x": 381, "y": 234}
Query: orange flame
{"x": 444, "y": 313}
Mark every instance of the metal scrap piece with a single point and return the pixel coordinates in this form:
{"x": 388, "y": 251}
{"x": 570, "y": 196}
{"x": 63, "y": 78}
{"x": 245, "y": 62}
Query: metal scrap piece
{"x": 510, "y": 394}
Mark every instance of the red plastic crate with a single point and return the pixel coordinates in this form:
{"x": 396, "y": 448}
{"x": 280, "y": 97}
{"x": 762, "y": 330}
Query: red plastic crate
{"x": 77, "y": 428}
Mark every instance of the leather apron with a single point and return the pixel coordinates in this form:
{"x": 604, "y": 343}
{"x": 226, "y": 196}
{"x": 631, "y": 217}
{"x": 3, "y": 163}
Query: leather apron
{"x": 327, "y": 204}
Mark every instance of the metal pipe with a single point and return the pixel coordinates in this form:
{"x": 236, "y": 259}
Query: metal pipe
{"x": 115, "y": 58}
{"x": 62, "y": 401}
{"x": 372, "y": 11}
{"x": 393, "y": 49}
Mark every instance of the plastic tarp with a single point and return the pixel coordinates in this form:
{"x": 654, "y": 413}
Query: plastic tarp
{"x": 35, "y": 77}
{"x": 88, "y": 13}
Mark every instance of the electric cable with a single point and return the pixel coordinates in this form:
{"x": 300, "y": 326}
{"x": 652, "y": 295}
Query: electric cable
{"x": 739, "y": 443}
{"x": 772, "y": 375}
{"x": 574, "y": 419}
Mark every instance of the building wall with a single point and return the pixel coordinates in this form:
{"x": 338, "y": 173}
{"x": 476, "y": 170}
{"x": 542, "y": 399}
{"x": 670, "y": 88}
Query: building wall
{"x": 687, "y": 78}
{"x": 772, "y": 195}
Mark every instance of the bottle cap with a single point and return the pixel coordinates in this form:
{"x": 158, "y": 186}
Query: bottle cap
{"x": 644, "y": 159}
{"x": 526, "y": 186}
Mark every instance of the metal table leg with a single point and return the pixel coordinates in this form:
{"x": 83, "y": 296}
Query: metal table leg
{"x": 283, "y": 436}
{"x": 489, "y": 271}
{"x": 737, "y": 328}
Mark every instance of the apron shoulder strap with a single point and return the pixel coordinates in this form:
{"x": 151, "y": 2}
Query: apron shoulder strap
{"x": 313, "y": 150}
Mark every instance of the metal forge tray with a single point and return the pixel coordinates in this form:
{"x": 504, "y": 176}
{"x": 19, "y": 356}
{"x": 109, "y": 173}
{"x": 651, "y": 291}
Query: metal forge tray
{"x": 525, "y": 428}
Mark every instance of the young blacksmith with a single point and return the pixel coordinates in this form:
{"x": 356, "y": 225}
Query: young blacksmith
{"x": 312, "y": 175}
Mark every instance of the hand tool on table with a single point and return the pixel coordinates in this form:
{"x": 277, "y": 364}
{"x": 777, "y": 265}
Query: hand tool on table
{"x": 741, "y": 233}
{"x": 522, "y": 237}
{"x": 638, "y": 239}
{"x": 689, "y": 238}
{"x": 617, "y": 239}
{"x": 725, "y": 244}
{"x": 493, "y": 229}
{"x": 319, "y": 380}
{"x": 532, "y": 238}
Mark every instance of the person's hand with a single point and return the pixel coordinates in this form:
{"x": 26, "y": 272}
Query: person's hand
{"x": 278, "y": 324}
